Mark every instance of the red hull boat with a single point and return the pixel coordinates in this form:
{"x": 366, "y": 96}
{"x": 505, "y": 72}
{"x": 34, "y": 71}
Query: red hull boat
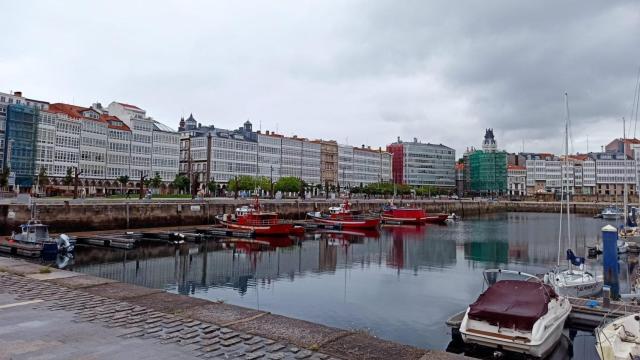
{"x": 404, "y": 216}
{"x": 343, "y": 217}
{"x": 437, "y": 218}
{"x": 253, "y": 219}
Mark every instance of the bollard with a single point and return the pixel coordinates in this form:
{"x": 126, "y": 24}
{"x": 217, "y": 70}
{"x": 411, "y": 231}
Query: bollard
{"x": 606, "y": 297}
{"x": 611, "y": 269}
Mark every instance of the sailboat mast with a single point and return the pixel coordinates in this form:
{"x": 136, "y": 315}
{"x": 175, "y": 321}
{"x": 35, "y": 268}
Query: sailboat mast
{"x": 566, "y": 166}
{"x": 624, "y": 181}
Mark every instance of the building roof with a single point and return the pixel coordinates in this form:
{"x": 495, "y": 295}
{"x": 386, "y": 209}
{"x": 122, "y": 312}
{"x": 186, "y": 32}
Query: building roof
{"x": 418, "y": 143}
{"x": 161, "y": 127}
{"x": 73, "y": 111}
{"x": 114, "y": 122}
{"x": 516, "y": 167}
{"x": 129, "y": 106}
{"x": 627, "y": 140}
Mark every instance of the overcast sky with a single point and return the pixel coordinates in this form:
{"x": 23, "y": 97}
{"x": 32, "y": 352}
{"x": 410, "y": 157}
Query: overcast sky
{"x": 362, "y": 72}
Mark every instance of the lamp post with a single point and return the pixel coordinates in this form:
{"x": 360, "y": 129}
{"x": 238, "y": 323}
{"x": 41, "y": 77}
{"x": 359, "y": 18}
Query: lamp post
{"x": 271, "y": 180}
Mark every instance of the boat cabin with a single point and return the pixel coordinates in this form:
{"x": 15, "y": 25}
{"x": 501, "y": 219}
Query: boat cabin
{"x": 33, "y": 231}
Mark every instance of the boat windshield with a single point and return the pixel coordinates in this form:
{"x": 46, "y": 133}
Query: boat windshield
{"x": 491, "y": 276}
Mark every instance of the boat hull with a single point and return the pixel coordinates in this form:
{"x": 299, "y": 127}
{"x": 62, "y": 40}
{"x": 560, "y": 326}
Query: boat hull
{"x": 576, "y": 287}
{"x": 387, "y": 219}
{"x": 264, "y": 230}
{"x": 609, "y": 344}
{"x": 437, "y": 218}
{"x": 371, "y": 223}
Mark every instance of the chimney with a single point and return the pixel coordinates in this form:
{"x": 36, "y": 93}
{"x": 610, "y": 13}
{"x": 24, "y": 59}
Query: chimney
{"x": 415, "y": 140}
{"x": 363, "y": 146}
{"x": 267, "y": 132}
{"x": 17, "y": 93}
{"x": 398, "y": 138}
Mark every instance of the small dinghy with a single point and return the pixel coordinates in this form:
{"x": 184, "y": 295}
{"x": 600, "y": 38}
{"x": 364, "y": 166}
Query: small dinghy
{"x": 521, "y": 316}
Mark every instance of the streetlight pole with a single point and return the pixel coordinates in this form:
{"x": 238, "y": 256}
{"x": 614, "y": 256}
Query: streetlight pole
{"x": 208, "y": 177}
{"x": 271, "y": 181}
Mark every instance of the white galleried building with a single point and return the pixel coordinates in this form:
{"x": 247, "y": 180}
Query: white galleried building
{"x": 245, "y": 152}
{"x": 516, "y": 180}
{"x": 362, "y": 166}
{"x": 155, "y": 148}
{"x": 233, "y": 153}
{"x": 586, "y": 174}
{"x": 101, "y": 145}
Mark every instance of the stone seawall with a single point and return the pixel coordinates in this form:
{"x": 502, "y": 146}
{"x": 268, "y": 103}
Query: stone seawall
{"x": 103, "y": 215}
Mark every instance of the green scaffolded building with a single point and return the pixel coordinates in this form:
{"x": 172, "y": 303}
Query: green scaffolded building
{"x": 488, "y": 172}
{"x": 488, "y": 168}
{"x": 20, "y": 143}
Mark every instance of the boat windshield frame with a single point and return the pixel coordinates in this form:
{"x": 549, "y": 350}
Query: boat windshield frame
{"x": 524, "y": 275}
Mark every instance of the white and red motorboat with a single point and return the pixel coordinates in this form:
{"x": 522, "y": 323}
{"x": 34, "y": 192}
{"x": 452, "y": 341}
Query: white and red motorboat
{"x": 252, "y": 218}
{"x": 342, "y": 216}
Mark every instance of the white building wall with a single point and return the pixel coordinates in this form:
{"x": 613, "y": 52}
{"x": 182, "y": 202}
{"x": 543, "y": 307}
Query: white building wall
{"x": 46, "y": 142}
{"x": 231, "y": 157}
{"x": 345, "y": 167}
{"x": 67, "y": 147}
{"x": 616, "y": 171}
{"x": 118, "y": 153}
{"x": 165, "y": 158}
{"x": 93, "y": 149}
{"x": 269, "y": 156}
{"x": 428, "y": 164}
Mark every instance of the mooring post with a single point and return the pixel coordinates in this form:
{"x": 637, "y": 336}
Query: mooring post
{"x": 611, "y": 268}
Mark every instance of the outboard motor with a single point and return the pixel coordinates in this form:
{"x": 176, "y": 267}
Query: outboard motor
{"x": 631, "y": 218}
{"x": 64, "y": 243}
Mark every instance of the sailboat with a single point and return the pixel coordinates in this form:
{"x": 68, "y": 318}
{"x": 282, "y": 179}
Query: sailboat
{"x": 574, "y": 281}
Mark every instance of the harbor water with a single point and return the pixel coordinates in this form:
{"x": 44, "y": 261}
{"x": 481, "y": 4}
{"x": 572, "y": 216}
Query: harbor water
{"x": 400, "y": 283}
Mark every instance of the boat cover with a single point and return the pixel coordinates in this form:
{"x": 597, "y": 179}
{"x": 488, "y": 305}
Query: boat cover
{"x": 512, "y": 303}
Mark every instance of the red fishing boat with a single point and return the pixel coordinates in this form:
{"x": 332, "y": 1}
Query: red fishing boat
{"x": 403, "y": 215}
{"x": 253, "y": 219}
{"x": 342, "y": 216}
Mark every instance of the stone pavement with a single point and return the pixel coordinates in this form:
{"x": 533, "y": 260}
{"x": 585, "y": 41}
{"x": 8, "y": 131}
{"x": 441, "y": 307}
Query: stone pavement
{"x": 71, "y": 323}
{"x": 66, "y": 315}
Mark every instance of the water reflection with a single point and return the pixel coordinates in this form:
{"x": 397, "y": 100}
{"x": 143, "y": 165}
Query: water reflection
{"x": 400, "y": 283}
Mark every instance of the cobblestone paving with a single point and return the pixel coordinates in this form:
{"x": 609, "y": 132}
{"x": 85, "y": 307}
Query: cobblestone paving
{"x": 203, "y": 340}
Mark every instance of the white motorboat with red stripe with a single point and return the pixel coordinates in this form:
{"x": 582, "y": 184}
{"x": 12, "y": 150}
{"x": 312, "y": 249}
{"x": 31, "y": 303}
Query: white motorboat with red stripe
{"x": 342, "y": 216}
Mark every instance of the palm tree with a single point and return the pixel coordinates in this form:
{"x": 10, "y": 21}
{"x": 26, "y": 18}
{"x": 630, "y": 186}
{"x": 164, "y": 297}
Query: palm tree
{"x": 156, "y": 181}
{"x": 124, "y": 181}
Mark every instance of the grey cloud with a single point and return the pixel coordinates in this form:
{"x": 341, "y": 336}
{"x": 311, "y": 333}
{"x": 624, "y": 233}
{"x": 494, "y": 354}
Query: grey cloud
{"x": 441, "y": 71}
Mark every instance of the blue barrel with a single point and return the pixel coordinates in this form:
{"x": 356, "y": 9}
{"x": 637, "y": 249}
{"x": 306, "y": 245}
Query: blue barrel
{"x": 610, "y": 264}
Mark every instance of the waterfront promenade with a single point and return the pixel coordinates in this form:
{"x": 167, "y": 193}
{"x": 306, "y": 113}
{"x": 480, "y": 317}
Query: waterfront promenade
{"x": 101, "y": 214}
{"x": 53, "y": 314}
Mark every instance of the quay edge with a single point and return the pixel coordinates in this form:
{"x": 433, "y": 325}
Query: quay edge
{"x": 78, "y": 215}
{"x": 28, "y": 279}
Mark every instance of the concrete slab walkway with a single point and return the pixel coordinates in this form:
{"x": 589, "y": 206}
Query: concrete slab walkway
{"x": 55, "y": 314}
